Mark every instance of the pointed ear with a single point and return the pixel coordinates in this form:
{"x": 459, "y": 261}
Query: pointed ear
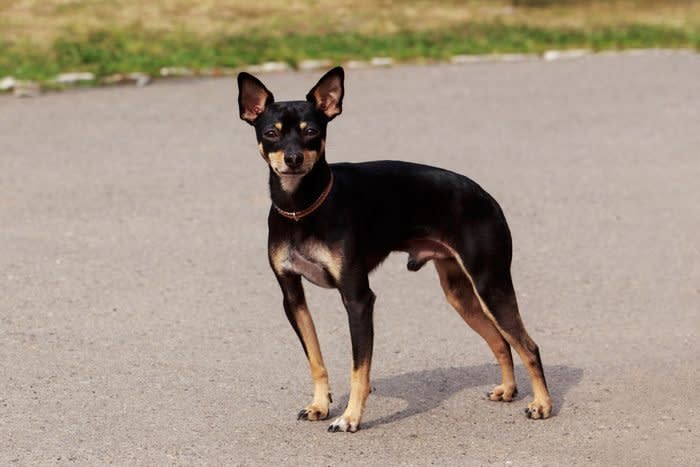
{"x": 253, "y": 97}
{"x": 328, "y": 93}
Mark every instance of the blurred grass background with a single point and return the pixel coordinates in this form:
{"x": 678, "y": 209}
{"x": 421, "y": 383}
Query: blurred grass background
{"x": 39, "y": 39}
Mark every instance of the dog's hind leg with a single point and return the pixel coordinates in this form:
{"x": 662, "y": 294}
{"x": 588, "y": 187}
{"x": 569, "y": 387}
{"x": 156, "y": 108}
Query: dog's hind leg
{"x": 491, "y": 280}
{"x": 484, "y": 254}
{"x": 460, "y": 294}
{"x": 299, "y": 317}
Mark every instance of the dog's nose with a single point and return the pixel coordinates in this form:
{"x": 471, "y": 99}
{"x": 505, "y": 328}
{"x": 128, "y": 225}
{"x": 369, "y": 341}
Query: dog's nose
{"x": 293, "y": 159}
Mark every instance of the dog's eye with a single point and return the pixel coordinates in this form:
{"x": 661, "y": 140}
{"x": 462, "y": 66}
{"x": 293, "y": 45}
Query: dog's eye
{"x": 271, "y": 134}
{"x": 308, "y": 131}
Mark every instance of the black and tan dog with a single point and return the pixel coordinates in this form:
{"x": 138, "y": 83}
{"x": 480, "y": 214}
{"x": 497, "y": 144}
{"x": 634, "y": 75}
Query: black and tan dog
{"x": 334, "y": 223}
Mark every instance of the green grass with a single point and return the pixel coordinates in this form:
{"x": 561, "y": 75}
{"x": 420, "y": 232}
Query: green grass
{"x": 133, "y": 49}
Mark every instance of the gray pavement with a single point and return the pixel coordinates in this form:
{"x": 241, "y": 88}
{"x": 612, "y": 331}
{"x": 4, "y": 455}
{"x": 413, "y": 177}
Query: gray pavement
{"x": 140, "y": 325}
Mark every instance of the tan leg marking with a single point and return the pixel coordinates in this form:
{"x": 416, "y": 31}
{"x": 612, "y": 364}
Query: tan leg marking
{"x": 359, "y": 390}
{"x": 461, "y": 296}
{"x": 319, "y": 407}
{"x": 541, "y": 406}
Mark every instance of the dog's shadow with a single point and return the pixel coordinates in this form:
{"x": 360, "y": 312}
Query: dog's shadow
{"x": 428, "y": 389}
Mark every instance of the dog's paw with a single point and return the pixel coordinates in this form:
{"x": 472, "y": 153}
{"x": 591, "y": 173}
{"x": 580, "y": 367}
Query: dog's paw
{"x": 318, "y": 409}
{"x": 539, "y": 409}
{"x": 502, "y": 392}
{"x": 343, "y": 423}
{"x": 313, "y": 413}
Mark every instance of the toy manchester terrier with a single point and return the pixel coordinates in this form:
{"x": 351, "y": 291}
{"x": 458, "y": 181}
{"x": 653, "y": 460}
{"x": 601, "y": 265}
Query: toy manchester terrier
{"x": 334, "y": 223}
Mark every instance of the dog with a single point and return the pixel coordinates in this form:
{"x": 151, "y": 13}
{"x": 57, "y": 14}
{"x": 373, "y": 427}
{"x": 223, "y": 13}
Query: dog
{"x": 334, "y": 223}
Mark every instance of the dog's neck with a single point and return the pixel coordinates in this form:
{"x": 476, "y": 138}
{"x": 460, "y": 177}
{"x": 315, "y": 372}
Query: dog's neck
{"x": 297, "y": 195}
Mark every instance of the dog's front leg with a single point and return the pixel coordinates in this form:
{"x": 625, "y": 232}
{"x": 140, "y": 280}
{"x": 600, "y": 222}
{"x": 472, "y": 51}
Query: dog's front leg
{"x": 300, "y": 319}
{"x": 359, "y": 303}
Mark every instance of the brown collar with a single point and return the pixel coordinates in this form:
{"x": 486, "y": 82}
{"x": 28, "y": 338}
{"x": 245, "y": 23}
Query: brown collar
{"x": 297, "y": 215}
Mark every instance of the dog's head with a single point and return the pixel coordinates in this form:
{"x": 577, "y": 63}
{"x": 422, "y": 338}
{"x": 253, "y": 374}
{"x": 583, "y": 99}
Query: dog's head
{"x": 291, "y": 135}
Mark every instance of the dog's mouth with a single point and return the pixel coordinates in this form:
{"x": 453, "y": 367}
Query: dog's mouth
{"x": 291, "y": 172}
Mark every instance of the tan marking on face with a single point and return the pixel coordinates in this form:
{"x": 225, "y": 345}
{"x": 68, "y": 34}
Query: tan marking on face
{"x": 276, "y": 159}
{"x": 262, "y": 152}
{"x": 289, "y": 183}
{"x": 278, "y": 125}
{"x": 303, "y": 125}
{"x": 311, "y": 157}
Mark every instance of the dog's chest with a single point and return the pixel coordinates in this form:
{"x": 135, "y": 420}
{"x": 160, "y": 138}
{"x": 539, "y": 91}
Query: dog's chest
{"x": 316, "y": 262}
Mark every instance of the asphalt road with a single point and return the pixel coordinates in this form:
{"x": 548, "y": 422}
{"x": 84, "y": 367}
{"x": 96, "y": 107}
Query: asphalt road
{"x": 140, "y": 324}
